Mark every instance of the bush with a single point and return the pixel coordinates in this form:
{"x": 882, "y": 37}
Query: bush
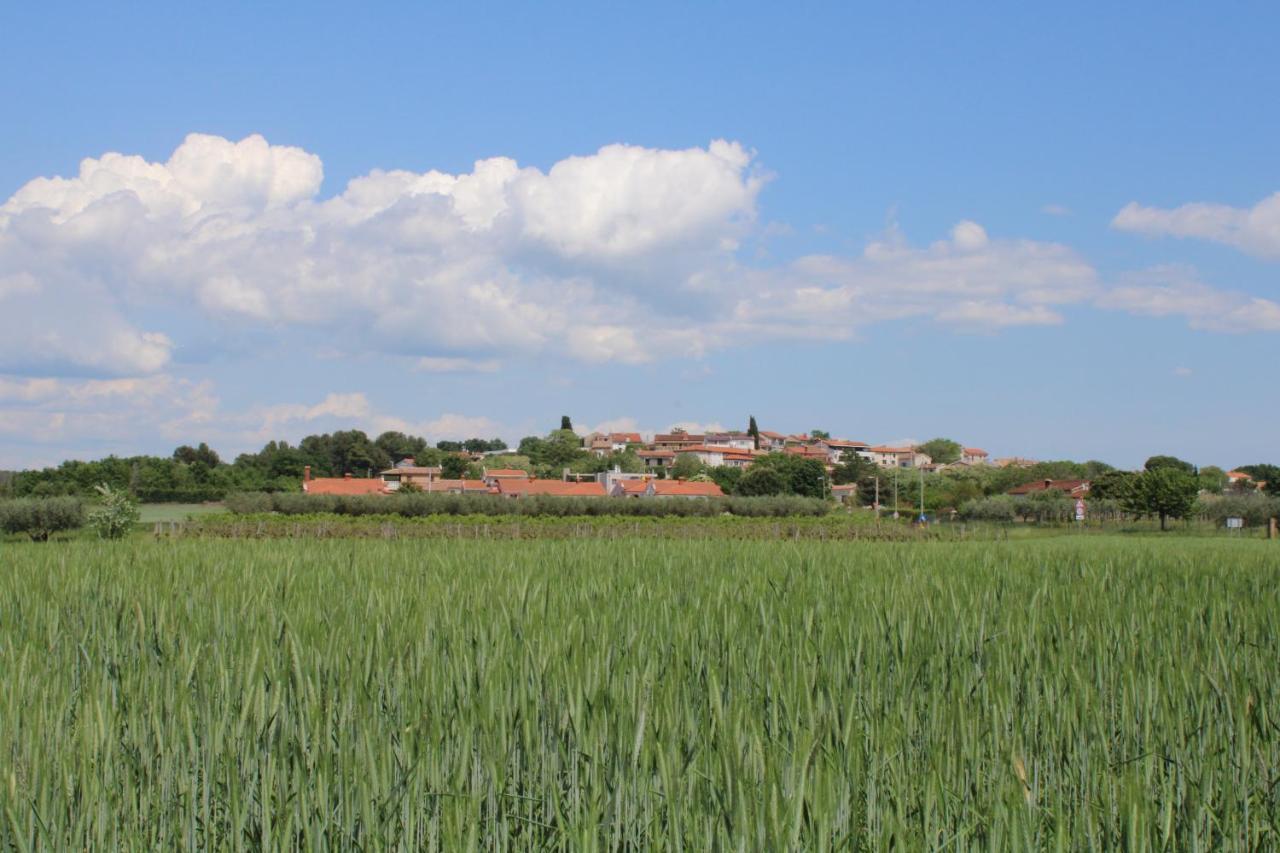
{"x": 40, "y": 518}
{"x": 116, "y": 515}
{"x": 180, "y": 496}
{"x": 245, "y": 503}
{"x": 427, "y": 504}
{"x": 1255, "y": 509}
{"x": 1002, "y": 508}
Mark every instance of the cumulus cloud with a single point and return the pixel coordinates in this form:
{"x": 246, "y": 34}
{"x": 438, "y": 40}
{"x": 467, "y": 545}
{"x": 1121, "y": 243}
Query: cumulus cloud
{"x": 1255, "y": 230}
{"x": 501, "y": 259}
{"x": 970, "y": 281}
{"x": 1178, "y": 292}
{"x": 45, "y": 420}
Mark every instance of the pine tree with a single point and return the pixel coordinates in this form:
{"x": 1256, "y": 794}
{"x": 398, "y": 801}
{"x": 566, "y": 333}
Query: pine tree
{"x": 754, "y": 431}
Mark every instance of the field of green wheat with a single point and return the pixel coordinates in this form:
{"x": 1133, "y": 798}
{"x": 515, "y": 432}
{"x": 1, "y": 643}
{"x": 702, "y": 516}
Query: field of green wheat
{"x": 1086, "y": 693}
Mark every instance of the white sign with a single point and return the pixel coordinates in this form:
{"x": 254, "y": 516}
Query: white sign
{"x": 1235, "y": 523}
{"x": 1079, "y": 509}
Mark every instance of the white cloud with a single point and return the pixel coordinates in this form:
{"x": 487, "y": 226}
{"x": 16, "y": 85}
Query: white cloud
{"x": 444, "y": 364}
{"x": 970, "y": 281}
{"x": 503, "y": 259}
{"x": 1177, "y": 291}
{"x": 1255, "y": 230}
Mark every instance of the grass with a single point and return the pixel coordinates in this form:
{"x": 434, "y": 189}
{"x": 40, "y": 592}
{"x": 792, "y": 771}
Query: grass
{"x": 153, "y": 513}
{"x": 1087, "y": 692}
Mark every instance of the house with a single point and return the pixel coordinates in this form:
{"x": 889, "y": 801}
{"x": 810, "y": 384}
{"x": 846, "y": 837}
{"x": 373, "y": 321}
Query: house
{"x": 602, "y": 444}
{"x": 666, "y": 489}
{"x": 973, "y": 456}
{"x": 492, "y": 476}
{"x": 837, "y": 448}
{"x": 811, "y": 451}
{"x": 345, "y": 485}
{"x": 617, "y": 475}
{"x": 416, "y": 475}
{"x": 733, "y": 439}
{"x": 458, "y": 487}
{"x": 654, "y": 459}
{"x": 676, "y": 440}
{"x": 896, "y": 457}
{"x": 715, "y": 457}
{"x": 520, "y": 487}
{"x": 772, "y": 440}
{"x": 1070, "y": 488}
{"x": 847, "y": 493}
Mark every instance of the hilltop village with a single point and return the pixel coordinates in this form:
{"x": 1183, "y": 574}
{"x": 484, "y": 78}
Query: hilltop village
{"x": 673, "y": 464}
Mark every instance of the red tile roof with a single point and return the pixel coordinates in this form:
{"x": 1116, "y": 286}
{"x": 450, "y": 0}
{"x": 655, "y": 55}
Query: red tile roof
{"x": 974, "y": 451}
{"x": 343, "y": 486}
{"x": 664, "y": 454}
{"x": 686, "y": 489}
{"x": 512, "y": 487}
{"x": 626, "y": 438}
{"x": 506, "y": 472}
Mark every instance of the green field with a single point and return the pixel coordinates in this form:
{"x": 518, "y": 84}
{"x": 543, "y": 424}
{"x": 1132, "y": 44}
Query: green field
{"x": 152, "y": 513}
{"x": 1088, "y": 692}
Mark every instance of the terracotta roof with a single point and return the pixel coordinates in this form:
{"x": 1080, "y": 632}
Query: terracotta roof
{"x": 665, "y": 454}
{"x": 1238, "y": 475}
{"x": 840, "y": 442}
{"x": 343, "y": 486}
{"x": 413, "y": 471}
{"x": 626, "y": 438}
{"x": 686, "y": 489}
{"x": 672, "y": 438}
{"x": 506, "y": 472}
{"x": 557, "y": 488}
{"x": 456, "y": 486}
{"x": 633, "y": 487}
{"x": 974, "y": 451}
{"x": 740, "y": 452}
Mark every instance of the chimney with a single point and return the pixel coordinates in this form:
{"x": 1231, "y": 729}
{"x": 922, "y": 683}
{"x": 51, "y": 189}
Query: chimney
{"x": 306, "y": 473}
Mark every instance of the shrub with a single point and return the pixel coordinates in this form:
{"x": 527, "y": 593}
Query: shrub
{"x": 416, "y": 505}
{"x": 116, "y": 515}
{"x": 1255, "y": 509}
{"x": 40, "y": 518}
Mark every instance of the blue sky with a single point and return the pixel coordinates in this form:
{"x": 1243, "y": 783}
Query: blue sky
{"x": 1048, "y": 232}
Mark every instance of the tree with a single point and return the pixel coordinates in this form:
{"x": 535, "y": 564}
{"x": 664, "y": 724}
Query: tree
{"x": 753, "y": 431}
{"x": 943, "y": 451}
{"x": 1156, "y": 462}
{"x": 565, "y": 423}
{"x": 1115, "y": 485}
{"x": 819, "y": 433}
{"x": 191, "y": 455}
{"x": 762, "y": 481}
{"x": 687, "y": 466}
{"x": 1268, "y": 475}
{"x": 116, "y": 515}
{"x": 727, "y": 478}
{"x": 1213, "y": 479}
{"x": 805, "y": 477}
{"x": 1167, "y": 491}
{"x": 454, "y": 466}
{"x": 853, "y": 469}
{"x": 399, "y": 446}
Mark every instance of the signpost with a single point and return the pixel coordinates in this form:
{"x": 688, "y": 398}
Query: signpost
{"x": 1235, "y": 523}
{"x": 1079, "y": 509}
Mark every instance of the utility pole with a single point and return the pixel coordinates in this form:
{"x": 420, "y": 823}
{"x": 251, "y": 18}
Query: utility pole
{"x": 877, "y": 504}
{"x": 895, "y": 493}
{"x": 921, "y": 470}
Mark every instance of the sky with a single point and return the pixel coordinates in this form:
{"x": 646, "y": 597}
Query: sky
{"x": 1047, "y": 232}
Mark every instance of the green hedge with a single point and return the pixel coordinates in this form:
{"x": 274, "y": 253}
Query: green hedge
{"x": 40, "y": 518}
{"x": 180, "y": 496}
{"x": 419, "y": 505}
